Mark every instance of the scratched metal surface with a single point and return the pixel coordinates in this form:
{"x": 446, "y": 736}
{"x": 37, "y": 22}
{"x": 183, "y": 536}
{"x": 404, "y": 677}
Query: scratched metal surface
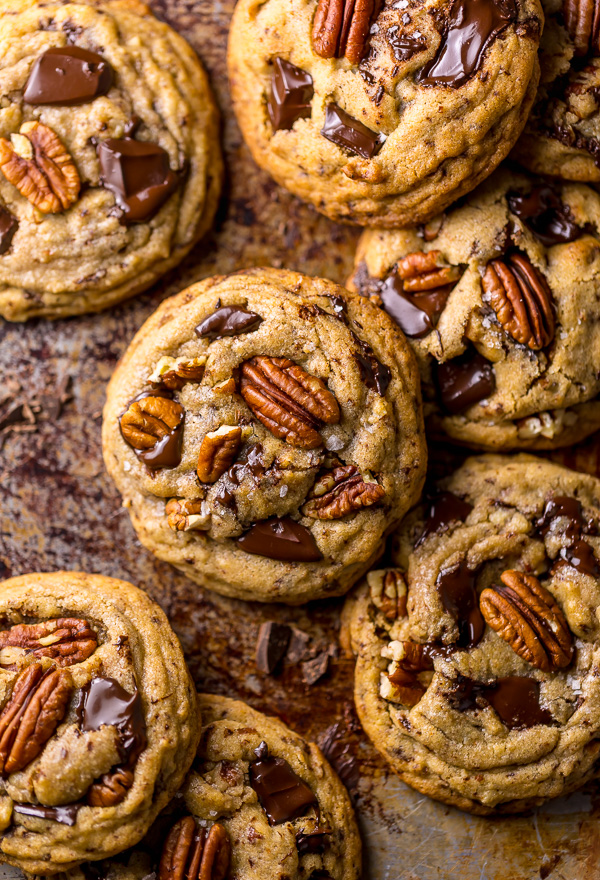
{"x": 58, "y": 509}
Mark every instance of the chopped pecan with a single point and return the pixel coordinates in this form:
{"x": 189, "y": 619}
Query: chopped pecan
{"x": 36, "y": 706}
{"x": 388, "y": 592}
{"x": 174, "y": 373}
{"x": 192, "y": 853}
{"x": 527, "y": 616}
{"x": 522, "y": 300}
{"x": 425, "y": 272}
{"x": 217, "y": 452}
{"x": 36, "y": 162}
{"x": 582, "y": 19}
{"x": 149, "y": 420}
{"x": 110, "y": 789}
{"x": 404, "y": 687}
{"x": 184, "y": 515}
{"x": 66, "y": 640}
{"x": 341, "y": 28}
{"x": 290, "y": 402}
{"x": 341, "y": 491}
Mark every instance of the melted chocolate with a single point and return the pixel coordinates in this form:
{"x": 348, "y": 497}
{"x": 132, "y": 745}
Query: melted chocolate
{"x": 65, "y": 815}
{"x": 445, "y": 508}
{"x": 106, "y": 702}
{"x": 472, "y": 27}
{"x": 415, "y": 314}
{"x": 464, "y": 381}
{"x": 250, "y": 464}
{"x": 8, "y": 227}
{"x": 282, "y": 794}
{"x": 291, "y": 93}
{"x": 578, "y": 553}
{"x": 345, "y": 131}
{"x": 166, "y": 453}
{"x": 282, "y": 539}
{"x": 581, "y": 556}
{"x": 375, "y": 375}
{"x": 312, "y": 843}
{"x": 228, "y": 321}
{"x": 139, "y": 175}
{"x": 515, "y": 699}
{"x": 545, "y": 215}
{"x": 456, "y": 588}
{"x": 68, "y": 76}
{"x": 404, "y": 46}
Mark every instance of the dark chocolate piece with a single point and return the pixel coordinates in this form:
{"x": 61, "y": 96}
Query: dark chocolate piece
{"x": 445, "y": 508}
{"x": 342, "y": 129}
{"x": 415, "y": 314}
{"x": 375, "y": 375}
{"x": 139, "y": 175}
{"x": 282, "y": 794}
{"x": 298, "y": 646}
{"x": 581, "y": 556}
{"x": 166, "y": 453}
{"x": 338, "y": 751}
{"x": 250, "y": 464}
{"x": 8, "y": 227}
{"x": 228, "y": 321}
{"x": 282, "y": 539}
{"x": 516, "y": 699}
{"x": 405, "y": 46}
{"x": 313, "y": 670}
{"x": 579, "y": 553}
{"x": 273, "y": 639}
{"x": 312, "y": 843}
{"x": 65, "y": 815}
{"x": 464, "y": 381}
{"x": 106, "y": 702}
{"x": 68, "y": 76}
{"x": 456, "y": 588}
{"x": 472, "y": 27}
{"x": 545, "y": 215}
{"x": 291, "y": 93}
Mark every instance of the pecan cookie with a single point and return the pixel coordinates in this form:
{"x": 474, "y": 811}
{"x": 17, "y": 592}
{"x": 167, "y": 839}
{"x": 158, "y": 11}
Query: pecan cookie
{"x": 382, "y": 114}
{"x": 99, "y": 721}
{"x": 500, "y": 302}
{"x": 478, "y": 658}
{"x": 110, "y": 165}
{"x": 265, "y": 432}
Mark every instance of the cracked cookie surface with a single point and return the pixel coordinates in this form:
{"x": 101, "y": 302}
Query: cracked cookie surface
{"x": 499, "y": 299}
{"x": 276, "y": 472}
{"x": 122, "y": 174}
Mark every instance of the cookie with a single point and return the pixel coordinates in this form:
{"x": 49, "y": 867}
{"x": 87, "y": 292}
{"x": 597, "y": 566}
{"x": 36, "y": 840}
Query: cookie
{"x": 382, "y": 115}
{"x": 478, "y": 658}
{"x": 499, "y": 299}
{"x": 562, "y": 136}
{"x": 265, "y": 431}
{"x": 263, "y": 803}
{"x": 99, "y": 721}
{"x": 110, "y": 165}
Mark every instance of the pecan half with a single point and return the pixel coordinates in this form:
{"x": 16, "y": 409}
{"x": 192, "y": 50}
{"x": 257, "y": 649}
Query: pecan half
{"x": 527, "y": 616}
{"x": 66, "y": 640}
{"x": 404, "y": 688}
{"x": 192, "y": 853}
{"x": 149, "y": 420}
{"x": 522, "y": 300}
{"x": 290, "y": 402}
{"x": 341, "y": 28}
{"x": 36, "y": 706}
{"x": 341, "y": 491}
{"x": 425, "y": 272}
{"x": 184, "y": 515}
{"x": 389, "y": 592}
{"x": 110, "y": 789}
{"x": 217, "y": 452}
{"x": 36, "y": 162}
{"x": 174, "y": 373}
{"x": 582, "y": 20}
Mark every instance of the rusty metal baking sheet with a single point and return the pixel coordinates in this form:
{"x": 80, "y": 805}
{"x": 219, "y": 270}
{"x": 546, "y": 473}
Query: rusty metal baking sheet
{"x": 58, "y": 509}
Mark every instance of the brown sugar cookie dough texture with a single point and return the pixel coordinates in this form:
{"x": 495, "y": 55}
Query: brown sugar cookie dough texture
{"x": 98, "y": 718}
{"x": 499, "y": 299}
{"x": 265, "y": 431}
{"x": 382, "y": 114}
{"x": 110, "y": 165}
{"x": 478, "y": 657}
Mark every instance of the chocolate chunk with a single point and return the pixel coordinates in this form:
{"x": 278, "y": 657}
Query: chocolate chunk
{"x": 515, "y": 699}
{"x": 375, "y": 375}
{"x": 581, "y": 556}
{"x": 291, "y": 93}
{"x": 166, "y": 453}
{"x": 472, "y": 27}
{"x": 282, "y": 794}
{"x": 345, "y": 131}
{"x": 139, "y": 175}
{"x": 313, "y": 670}
{"x": 445, "y": 508}
{"x": 298, "y": 646}
{"x": 403, "y": 45}
{"x": 545, "y": 215}
{"x": 456, "y": 588}
{"x": 415, "y": 314}
{"x": 312, "y": 843}
{"x": 464, "y": 381}
{"x": 579, "y": 552}
{"x": 68, "y": 76}
{"x": 338, "y": 752}
{"x": 8, "y": 227}
{"x": 282, "y": 539}
{"x": 104, "y": 701}
{"x": 273, "y": 639}
{"x": 228, "y": 321}
{"x": 65, "y": 815}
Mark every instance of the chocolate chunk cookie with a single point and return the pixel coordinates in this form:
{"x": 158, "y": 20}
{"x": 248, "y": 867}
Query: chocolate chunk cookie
{"x": 99, "y": 722}
{"x": 478, "y": 658}
{"x": 383, "y": 114}
{"x": 265, "y": 431}
{"x": 110, "y": 164}
{"x": 499, "y": 299}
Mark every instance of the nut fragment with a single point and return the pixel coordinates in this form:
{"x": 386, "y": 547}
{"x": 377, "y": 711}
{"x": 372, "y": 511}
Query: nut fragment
{"x": 388, "y": 592}
{"x": 341, "y": 491}
{"x": 582, "y": 19}
{"x": 36, "y": 706}
{"x": 217, "y": 452}
{"x": 522, "y": 300}
{"x": 192, "y": 853}
{"x": 527, "y": 616}
{"x": 111, "y": 788}
{"x": 174, "y": 373}
{"x": 149, "y": 420}
{"x": 290, "y": 402}
{"x": 66, "y": 640}
{"x": 341, "y": 28}
{"x": 184, "y": 515}
{"x": 424, "y": 272}
{"x": 403, "y": 687}
{"x": 36, "y": 162}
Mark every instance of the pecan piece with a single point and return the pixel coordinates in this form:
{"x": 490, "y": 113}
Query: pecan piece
{"x": 66, "y": 640}
{"x": 522, "y": 300}
{"x": 527, "y": 616}
{"x": 150, "y": 423}
{"x": 110, "y": 789}
{"x": 341, "y": 491}
{"x": 290, "y": 402}
{"x": 425, "y": 272}
{"x": 404, "y": 688}
{"x": 36, "y": 162}
{"x": 389, "y": 592}
{"x": 341, "y": 28}
{"x": 194, "y": 853}
{"x": 36, "y": 706}
{"x": 217, "y": 452}
{"x": 174, "y": 373}
{"x": 582, "y": 20}
{"x": 184, "y": 515}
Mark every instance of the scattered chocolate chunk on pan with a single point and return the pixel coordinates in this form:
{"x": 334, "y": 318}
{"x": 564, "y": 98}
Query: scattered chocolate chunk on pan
{"x": 273, "y": 640}
{"x": 315, "y": 669}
